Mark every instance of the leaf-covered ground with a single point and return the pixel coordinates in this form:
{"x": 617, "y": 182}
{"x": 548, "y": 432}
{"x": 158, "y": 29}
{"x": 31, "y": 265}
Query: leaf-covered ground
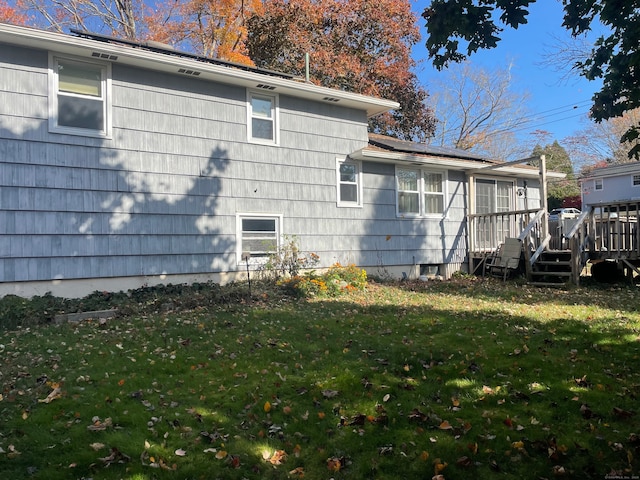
{"x": 465, "y": 379}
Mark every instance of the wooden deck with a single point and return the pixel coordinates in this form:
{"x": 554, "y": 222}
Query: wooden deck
{"x": 560, "y": 249}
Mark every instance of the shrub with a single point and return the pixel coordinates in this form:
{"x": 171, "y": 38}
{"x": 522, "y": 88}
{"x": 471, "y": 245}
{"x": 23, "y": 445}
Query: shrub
{"x": 288, "y": 260}
{"x": 338, "y": 279}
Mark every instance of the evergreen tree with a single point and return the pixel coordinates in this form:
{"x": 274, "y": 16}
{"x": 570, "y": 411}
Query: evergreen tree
{"x": 557, "y": 160}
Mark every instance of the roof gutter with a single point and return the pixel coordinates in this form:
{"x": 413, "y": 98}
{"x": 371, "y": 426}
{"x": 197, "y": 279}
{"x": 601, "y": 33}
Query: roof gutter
{"x": 471, "y": 166}
{"x": 138, "y": 57}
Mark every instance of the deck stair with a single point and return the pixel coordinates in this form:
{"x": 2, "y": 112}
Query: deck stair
{"x": 552, "y": 269}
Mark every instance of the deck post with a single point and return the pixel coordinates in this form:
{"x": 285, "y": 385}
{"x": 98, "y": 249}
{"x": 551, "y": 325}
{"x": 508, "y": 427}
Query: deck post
{"x": 471, "y": 226}
{"x": 543, "y": 195}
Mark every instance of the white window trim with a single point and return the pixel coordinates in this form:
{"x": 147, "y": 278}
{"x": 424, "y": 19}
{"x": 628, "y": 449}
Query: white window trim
{"x": 276, "y": 118}
{"x": 422, "y": 192}
{"x": 358, "y": 164}
{"x": 239, "y": 252}
{"x": 595, "y": 184}
{"x": 633, "y": 180}
{"x": 53, "y": 98}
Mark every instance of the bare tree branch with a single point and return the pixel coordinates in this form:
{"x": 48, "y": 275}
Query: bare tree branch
{"x": 473, "y": 105}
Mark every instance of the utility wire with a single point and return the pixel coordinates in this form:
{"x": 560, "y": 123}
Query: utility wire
{"x": 539, "y": 119}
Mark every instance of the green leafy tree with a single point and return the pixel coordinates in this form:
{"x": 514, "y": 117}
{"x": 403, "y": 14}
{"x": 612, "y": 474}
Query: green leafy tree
{"x": 557, "y": 159}
{"x": 613, "y": 57}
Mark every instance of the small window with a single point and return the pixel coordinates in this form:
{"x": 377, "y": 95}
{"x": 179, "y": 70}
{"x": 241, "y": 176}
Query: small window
{"x": 258, "y": 235}
{"x": 79, "y": 100}
{"x": 263, "y": 118}
{"x": 349, "y": 184}
{"x": 636, "y": 180}
{"x": 420, "y": 192}
{"x": 597, "y": 184}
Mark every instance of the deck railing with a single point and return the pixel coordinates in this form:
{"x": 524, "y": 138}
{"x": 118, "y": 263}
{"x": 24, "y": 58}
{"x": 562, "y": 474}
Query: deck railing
{"x": 488, "y": 230}
{"x": 615, "y": 232}
{"x": 601, "y": 232}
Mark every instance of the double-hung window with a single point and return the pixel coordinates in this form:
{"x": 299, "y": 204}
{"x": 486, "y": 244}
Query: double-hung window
{"x": 349, "y": 178}
{"x": 433, "y": 193}
{"x": 420, "y": 192}
{"x": 597, "y": 184}
{"x": 636, "y": 181}
{"x": 263, "y": 118}
{"x": 79, "y": 97}
{"x": 258, "y": 236}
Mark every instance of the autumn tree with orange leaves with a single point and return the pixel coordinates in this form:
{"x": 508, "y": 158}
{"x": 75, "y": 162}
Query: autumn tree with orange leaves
{"x": 213, "y": 28}
{"x": 355, "y": 45}
{"x": 9, "y": 14}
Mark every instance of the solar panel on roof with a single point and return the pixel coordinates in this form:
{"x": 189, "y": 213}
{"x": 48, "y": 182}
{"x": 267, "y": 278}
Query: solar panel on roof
{"x": 169, "y": 50}
{"x": 415, "y": 147}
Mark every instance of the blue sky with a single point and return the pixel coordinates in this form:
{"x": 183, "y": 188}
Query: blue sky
{"x": 551, "y": 98}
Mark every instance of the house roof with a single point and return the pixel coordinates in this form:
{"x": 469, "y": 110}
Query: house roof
{"x": 382, "y": 148}
{"x": 161, "y": 58}
{"x": 614, "y": 170}
{"x": 396, "y": 145}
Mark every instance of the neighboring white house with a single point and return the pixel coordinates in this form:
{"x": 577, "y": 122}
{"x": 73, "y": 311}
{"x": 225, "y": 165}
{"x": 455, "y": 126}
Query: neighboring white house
{"x": 123, "y": 164}
{"x": 615, "y": 183}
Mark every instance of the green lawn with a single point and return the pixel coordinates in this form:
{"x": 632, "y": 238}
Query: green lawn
{"x": 465, "y": 379}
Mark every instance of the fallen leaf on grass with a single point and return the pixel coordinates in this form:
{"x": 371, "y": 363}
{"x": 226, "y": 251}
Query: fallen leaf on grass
{"x": 445, "y": 426}
{"x": 558, "y": 470}
{"x": 163, "y": 465}
{"x": 234, "y": 461}
{"x": 385, "y": 450}
{"x": 278, "y": 457}
{"x": 13, "y": 453}
{"x": 97, "y": 446}
{"x": 439, "y": 466}
{"x": 180, "y": 452}
{"x": 329, "y": 393}
{"x": 335, "y": 464}
{"x": 116, "y": 457}
{"x": 416, "y": 414}
{"x": 299, "y": 471}
{"x": 586, "y": 411}
{"x": 620, "y": 413}
{"x": 98, "y": 425}
{"x": 54, "y": 395}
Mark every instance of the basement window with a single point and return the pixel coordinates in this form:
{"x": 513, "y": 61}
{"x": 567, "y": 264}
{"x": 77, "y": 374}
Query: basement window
{"x": 258, "y": 235}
